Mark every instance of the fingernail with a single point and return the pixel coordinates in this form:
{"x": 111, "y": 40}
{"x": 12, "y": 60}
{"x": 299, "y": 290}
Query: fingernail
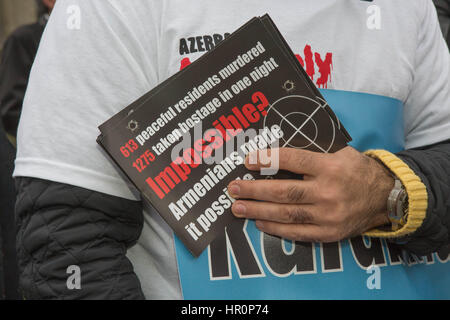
{"x": 234, "y": 190}
{"x": 239, "y": 209}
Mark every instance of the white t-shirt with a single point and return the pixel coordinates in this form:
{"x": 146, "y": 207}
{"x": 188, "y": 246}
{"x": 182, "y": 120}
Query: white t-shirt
{"x": 96, "y": 57}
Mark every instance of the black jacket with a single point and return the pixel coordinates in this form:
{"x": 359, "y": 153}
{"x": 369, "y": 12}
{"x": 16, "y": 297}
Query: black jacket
{"x": 61, "y": 226}
{"x": 9, "y": 277}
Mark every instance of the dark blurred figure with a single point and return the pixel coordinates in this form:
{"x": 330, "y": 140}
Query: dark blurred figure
{"x": 18, "y": 55}
{"x": 9, "y": 276}
{"x": 17, "y": 58}
{"x": 443, "y": 10}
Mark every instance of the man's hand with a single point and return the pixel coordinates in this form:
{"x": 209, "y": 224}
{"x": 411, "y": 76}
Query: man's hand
{"x": 342, "y": 195}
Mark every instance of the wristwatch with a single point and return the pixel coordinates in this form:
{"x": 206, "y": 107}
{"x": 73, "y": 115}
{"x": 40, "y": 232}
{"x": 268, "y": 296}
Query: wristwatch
{"x": 397, "y": 205}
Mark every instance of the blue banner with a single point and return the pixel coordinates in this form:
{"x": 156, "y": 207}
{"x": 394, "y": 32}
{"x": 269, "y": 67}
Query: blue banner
{"x": 265, "y": 267}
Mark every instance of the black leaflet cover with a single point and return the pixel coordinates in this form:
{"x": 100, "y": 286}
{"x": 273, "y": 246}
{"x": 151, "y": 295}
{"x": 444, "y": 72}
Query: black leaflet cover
{"x": 186, "y": 139}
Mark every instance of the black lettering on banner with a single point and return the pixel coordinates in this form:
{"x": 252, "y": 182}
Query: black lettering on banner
{"x": 192, "y": 42}
{"x": 367, "y": 254}
{"x": 184, "y": 49}
{"x": 395, "y": 254}
{"x": 200, "y": 43}
{"x": 430, "y": 259}
{"x": 209, "y": 44}
{"x": 234, "y": 239}
{"x": 217, "y": 38}
{"x": 443, "y": 253}
{"x": 300, "y": 259}
{"x": 331, "y": 257}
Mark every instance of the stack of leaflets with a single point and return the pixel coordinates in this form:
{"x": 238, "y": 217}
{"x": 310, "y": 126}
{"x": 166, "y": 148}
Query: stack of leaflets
{"x": 184, "y": 141}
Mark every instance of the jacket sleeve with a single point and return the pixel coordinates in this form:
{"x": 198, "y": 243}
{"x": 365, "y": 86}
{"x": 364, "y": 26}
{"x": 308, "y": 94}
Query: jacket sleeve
{"x": 425, "y": 173}
{"x": 72, "y": 242}
{"x": 8, "y": 262}
{"x": 432, "y": 165}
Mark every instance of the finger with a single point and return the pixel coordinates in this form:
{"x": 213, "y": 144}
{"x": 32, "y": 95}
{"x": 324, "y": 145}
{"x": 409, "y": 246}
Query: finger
{"x": 280, "y": 191}
{"x": 295, "y": 232}
{"x": 282, "y": 213}
{"x": 293, "y": 160}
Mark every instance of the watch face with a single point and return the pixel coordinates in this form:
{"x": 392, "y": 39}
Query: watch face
{"x": 404, "y": 201}
{"x": 398, "y": 204}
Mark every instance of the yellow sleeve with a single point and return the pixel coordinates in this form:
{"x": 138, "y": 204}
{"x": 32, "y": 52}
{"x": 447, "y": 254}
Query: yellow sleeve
{"x": 416, "y": 190}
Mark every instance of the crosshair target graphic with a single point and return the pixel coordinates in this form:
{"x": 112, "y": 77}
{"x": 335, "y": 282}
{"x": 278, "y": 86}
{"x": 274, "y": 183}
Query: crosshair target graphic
{"x": 291, "y": 131}
{"x": 304, "y": 122}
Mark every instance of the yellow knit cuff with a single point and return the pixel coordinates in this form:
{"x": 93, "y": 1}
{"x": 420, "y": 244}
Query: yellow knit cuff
{"x": 416, "y": 190}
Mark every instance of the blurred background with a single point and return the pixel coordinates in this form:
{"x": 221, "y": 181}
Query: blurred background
{"x": 14, "y": 13}
{"x": 21, "y": 26}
